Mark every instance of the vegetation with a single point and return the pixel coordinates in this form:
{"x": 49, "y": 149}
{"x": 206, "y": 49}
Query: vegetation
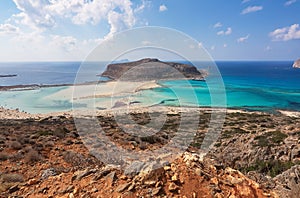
{"x": 270, "y": 167}
{"x": 270, "y": 139}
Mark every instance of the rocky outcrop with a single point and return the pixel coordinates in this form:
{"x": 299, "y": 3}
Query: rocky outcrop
{"x": 296, "y": 64}
{"x": 151, "y": 69}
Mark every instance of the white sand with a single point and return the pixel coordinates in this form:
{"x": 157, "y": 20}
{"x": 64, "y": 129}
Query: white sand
{"x": 294, "y": 114}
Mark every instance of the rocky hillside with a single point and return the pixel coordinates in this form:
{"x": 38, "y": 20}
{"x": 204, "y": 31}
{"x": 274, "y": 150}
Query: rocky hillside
{"x": 151, "y": 69}
{"x": 255, "y": 156}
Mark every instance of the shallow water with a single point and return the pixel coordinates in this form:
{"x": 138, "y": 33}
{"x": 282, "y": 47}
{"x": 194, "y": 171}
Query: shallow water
{"x": 250, "y": 85}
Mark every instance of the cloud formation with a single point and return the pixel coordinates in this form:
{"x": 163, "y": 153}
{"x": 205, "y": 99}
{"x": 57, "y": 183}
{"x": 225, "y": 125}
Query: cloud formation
{"x": 251, "y": 9}
{"x": 163, "y": 8}
{"x": 218, "y": 25}
{"x": 8, "y": 29}
{"x": 243, "y": 39}
{"x": 245, "y": 1}
{"x": 286, "y": 33}
{"x": 43, "y": 15}
{"x": 227, "y": 32}
{"x": 290, "y": 2}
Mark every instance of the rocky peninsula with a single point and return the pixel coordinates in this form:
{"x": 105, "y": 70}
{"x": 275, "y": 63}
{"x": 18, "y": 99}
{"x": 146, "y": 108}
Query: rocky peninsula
{"x": 151, "y": 69}
{"x": 296, "y": 64}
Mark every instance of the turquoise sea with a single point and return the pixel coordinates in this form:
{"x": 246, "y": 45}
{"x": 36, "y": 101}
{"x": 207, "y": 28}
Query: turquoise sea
{"x": 251, "y": 85}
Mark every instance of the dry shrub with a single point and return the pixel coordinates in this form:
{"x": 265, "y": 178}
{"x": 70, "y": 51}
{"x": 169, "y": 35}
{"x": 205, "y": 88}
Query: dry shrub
{"x": 16, "y": 145}
{"x": 3, "y": 156}
{"x": 12, "y": 178}
{"x": 32, "y": 156}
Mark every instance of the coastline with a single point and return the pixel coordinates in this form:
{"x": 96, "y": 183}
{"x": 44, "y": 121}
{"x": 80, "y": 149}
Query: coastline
{"x": 16, "y": 114}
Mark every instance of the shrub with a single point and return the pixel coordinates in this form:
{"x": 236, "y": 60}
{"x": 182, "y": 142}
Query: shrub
{"x": 269, "y": 167}
{"x": 12, "y": 178}
{"x": 3, "y": 156}
{"x": 32, "y": 156}
{"x": 16, "y": 145}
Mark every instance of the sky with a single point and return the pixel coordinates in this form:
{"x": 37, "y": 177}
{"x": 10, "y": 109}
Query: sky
{"x": 68, "y": 30}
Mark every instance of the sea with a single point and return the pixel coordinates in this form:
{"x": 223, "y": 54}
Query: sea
{"x": 249, "y": 85}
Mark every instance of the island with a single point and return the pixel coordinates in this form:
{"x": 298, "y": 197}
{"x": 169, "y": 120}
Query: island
{"x": 151, "y": 69}
{"x": 296, "y": 64}
{"x": 8, "y": 76}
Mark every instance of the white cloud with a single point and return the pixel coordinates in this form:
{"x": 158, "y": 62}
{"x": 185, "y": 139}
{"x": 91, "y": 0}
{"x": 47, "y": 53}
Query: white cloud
{"x": 286, "y": 33}
{"x": 163, "y": 8}
{"x": 43, "y": 15}
{"x": 212, "y": 48}
{"x": 33, "y": 34}
{"x": 218, "y": 25}
{"x": 8, "y": 29}
{"x": 268, "y": 48}
{"x": 225, "y": 45}
{"x": 245, "y": 1}
{"x": 34, "y": 14}
{"x": 227, "y": 32}
{"x": 243, "y": 39}
{"x": 251, "y": 9}
{"x": 290, "y": 2}
{"x": 67, "y": 43}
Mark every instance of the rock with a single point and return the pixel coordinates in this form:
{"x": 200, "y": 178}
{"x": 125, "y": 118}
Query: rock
{"x": 81, "y": 174}
{"x": 134, "y": 168}
{"x": 174, "y": 178}
{"x": 110, "y": 178}
{"x": 296, "y": 64}
{"x": 167, "y": 168}
{"x": 151, "y": 69}
{"x": 173, "y": 187}
{"x": 156, "y": 191}
{"x": 48, "y": 172}
{"x": 131, "y": 187}
{"x": 122, "y": 187}
{"x": 32, "y": 182}
{"x": 71, "y": 195}
{"x": 14, "y": 188}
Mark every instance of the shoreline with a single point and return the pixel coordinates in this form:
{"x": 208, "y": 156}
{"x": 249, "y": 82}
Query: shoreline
{"x": 16, "y": 114}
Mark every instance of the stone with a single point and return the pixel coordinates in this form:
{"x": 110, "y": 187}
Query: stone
{"x": 81, "y": 174}
{"x": 173, "y": 187}
{"x": 32, "y": 182}
{"x": 122, "y": 187}
{"x": 14, "y": 188}
{"x": 110, "y": 178}
{"x": 156, "y": 191}
{"x": 174, "y": 178}
{"x": 71, "y": 195}
{"x": 48, "y": 172}
{"x": 134, "y": 168}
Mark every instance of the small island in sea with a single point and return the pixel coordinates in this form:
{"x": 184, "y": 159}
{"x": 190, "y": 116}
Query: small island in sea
{"x": 296, "y": 64}
{"x": 256, "y": 154}
{"x": 8, "y": 75}
{"x": 151, "y": 69}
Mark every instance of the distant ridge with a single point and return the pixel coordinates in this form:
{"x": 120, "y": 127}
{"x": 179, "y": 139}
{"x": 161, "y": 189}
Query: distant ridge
{"x": 151, "y": 69}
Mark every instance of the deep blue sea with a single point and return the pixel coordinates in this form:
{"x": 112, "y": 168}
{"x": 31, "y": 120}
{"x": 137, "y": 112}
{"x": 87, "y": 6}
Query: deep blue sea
{"x": 262, "y": 86}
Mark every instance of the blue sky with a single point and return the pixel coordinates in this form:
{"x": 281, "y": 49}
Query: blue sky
{"x": 62, "y": 30}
